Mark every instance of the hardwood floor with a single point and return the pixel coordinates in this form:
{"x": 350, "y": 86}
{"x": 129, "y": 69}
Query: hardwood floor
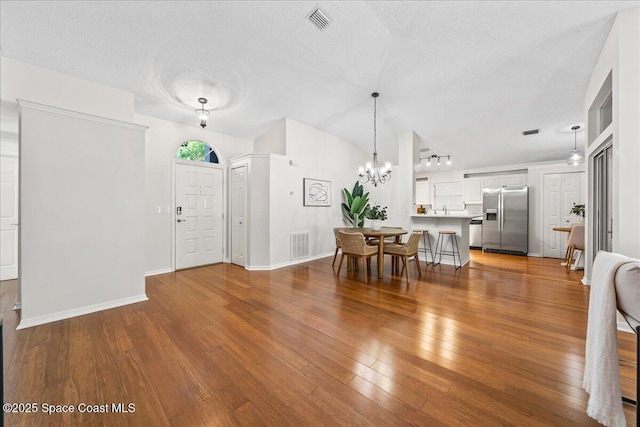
{"x": 499, "y": 342}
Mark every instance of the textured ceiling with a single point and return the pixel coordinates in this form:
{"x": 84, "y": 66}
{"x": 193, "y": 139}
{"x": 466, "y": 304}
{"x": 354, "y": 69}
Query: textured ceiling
{"x": 468, "y": 77}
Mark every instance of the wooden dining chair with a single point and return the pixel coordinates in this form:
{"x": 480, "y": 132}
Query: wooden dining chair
{"x": 336, "y": 233}
{"x": 406, "y": 251}
{"x": 355, "y": 245}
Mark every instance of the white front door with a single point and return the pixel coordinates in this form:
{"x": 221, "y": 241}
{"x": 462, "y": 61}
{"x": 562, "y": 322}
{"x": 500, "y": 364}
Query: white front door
{"x": 8, "y": 217}
{"x": 198, "y": 190}
{"x": 561, "y": 191}
{"x": 238, "y": 214}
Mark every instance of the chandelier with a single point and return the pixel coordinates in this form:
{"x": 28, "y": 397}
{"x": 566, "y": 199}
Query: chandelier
{"x": 202, "y": 113}
{"x": 575, "y": 159}
{"x": 372, "y": 172}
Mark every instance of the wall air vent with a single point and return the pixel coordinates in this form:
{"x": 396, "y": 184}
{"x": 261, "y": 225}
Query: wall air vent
{"x": 530, "y": 132}
{"x": 299, "y": 245}
{"x": 319, "y": 18}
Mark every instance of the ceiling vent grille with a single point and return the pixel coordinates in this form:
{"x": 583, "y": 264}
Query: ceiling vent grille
{"x": 319, "y": 19}
{"x": 530, "y": 132}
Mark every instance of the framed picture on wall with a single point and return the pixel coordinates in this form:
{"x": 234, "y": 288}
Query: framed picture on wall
{"x": 317, "y": 192}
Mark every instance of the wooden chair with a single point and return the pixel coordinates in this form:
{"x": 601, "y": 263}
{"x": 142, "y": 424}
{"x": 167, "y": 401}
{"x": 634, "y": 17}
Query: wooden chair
{"x": 574, "y": 242}
{"x": 406, "y": 251}
{"x": 355, "y": 245}
{"x": 336, "y": 233}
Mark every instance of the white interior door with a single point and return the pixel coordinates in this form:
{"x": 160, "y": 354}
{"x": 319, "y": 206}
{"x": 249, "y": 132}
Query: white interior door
{"x": 238, "y": 215}
{"x": 8, "y": 217}
{"x": 199, "y": 221}
{"x": 561, "y": 191}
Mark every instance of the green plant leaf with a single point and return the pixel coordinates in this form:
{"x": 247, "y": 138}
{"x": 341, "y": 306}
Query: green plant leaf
{"x": 359, "y": 203}
{"x": 354, "y": 192}
{"x": 348, "y": 196}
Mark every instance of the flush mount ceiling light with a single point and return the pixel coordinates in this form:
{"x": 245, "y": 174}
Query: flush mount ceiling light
{"x": 437, "y": 158}
{"x": 202, "y": 113}
{"x": 371, "y": 172}
{"x": 575, "y": 159}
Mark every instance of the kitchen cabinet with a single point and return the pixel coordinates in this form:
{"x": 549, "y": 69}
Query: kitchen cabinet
{"x": 473, "y": 190}
{"x": 512, "y": 180}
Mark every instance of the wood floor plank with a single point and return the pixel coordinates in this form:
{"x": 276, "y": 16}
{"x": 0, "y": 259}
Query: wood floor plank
{"x": 498, "y": 342}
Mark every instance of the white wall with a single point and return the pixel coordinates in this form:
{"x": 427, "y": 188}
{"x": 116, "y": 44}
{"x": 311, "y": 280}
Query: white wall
{"x": 162, "y": 140}
{"x": 620, "y": 56}
{"x": 320, "y": 155}
{"x": 81, "y": 213}
{"x": 19, "y": 80}
{"x": 272, "y": 141}
{"x": 276, "y": 190}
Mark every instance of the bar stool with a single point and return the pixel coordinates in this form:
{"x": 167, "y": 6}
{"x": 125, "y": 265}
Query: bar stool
{"x": 455, "y": 249}
{"x": 426, "y": 245}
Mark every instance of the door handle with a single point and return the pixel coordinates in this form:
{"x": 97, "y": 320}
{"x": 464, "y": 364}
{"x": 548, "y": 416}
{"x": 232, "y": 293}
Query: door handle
{"x": 181, "y": 220}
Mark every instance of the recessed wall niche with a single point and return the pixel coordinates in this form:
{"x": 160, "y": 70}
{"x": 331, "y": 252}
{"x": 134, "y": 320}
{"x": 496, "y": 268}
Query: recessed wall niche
{"x": 601, "y": 110}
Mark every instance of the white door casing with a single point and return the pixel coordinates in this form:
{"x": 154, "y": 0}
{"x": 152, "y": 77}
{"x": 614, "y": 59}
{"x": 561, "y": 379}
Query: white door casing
{"x": 238, "y": 215}
{"x": 198, "y": 215}
{"x": 8, "y": 217}
{"x": 561, "y": 191}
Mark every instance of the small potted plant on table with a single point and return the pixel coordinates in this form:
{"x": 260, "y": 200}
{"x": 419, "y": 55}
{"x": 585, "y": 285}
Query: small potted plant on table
{"x": 578, "y": 210}
{"x": 376, "y": 214}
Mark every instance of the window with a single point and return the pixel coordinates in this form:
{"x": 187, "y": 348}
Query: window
{"x": 197, "y": 151}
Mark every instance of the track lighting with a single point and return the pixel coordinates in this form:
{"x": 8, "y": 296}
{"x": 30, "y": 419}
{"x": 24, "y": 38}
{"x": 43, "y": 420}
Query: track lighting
{"x": 437, "y": 158}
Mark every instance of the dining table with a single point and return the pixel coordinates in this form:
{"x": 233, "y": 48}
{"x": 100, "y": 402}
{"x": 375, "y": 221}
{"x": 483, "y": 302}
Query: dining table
{"x": 380, "y": 235}
{"x": 563, "y": 230}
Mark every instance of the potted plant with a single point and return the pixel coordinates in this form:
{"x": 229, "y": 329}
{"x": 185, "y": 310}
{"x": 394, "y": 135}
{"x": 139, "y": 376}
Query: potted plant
{"x": 376, "y": 214}
{"x": 578, "y": 210}
{"x": 354, "y": 205}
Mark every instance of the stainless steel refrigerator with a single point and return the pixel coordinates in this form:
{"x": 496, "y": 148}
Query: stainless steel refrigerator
{"x": 505, "y": 223}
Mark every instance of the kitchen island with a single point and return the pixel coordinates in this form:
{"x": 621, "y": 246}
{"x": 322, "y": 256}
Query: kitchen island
{"x": 458, "y": 222}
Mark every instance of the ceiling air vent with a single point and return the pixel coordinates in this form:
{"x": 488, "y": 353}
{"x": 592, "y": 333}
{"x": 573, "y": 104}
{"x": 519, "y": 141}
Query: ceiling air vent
{"x": 319, "y": 18}
{"x": 530, "y": 132}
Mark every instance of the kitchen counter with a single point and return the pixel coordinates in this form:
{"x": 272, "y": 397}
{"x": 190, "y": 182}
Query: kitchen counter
{"x": 441, "y": 215}
{"x": 458, "y": 222}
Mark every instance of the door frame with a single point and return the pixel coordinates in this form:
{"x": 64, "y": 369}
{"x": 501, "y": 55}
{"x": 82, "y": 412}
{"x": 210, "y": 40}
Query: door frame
{"x": 15, "y": 156}
{"x": 225, "y": 223}
{"x": 246, "y": 166}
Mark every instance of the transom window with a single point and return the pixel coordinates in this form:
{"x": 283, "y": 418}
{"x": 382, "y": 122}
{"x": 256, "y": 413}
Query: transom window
{"x": 197, "y": 151}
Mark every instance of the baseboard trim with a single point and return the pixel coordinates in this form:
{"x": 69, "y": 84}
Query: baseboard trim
{"x": 61, "y": 315}
{"x": 624, "y": 327}
{"x": 156, "y": 272}
{"x": 535, "y": 254}
{"x": 286, "y": 264}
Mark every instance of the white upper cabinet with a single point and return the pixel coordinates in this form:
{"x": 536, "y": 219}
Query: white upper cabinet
{"x": 512, "y": 180}
{"x": 473, "y": 190}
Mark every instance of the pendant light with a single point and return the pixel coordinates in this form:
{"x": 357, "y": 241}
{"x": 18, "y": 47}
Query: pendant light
{"x": 202, "y": 113}
{"x": 372, "y": 172}
{"x": 575, "y": 159}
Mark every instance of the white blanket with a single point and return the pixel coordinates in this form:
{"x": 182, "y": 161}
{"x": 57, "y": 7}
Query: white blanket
{"x": 602, "y": 367}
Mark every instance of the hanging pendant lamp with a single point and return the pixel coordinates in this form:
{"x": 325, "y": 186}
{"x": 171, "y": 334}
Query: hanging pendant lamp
{"x": 575, "y": 159}
{"x": 372, "y": 172}
{"x": 202, "y": 113}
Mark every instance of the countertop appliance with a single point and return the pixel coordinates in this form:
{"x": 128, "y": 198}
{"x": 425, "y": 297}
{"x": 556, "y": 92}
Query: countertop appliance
{"x": 475, "y": 233}
{"x": 505, "y": 224}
